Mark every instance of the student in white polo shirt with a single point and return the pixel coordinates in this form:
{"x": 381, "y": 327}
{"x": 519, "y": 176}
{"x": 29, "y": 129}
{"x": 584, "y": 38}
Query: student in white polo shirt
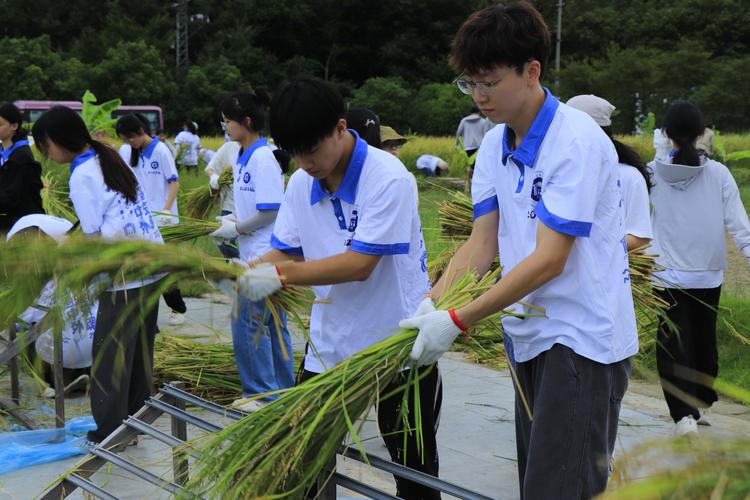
{"x": 257, "y": 190}
{"x": 109, "y": 204}
{"x": 349, "y": 227}
{"x": 188, "y": 143}
{"x": 155, "y": 169}
{"x": 546, "y": 194}
{"x": 635, "y": 181}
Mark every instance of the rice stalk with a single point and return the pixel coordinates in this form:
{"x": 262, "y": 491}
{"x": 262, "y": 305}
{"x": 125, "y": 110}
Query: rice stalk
{"x": 202, "y": 202}
{"x": 279, "y": 450}
{"x": 188, "y": 229}
{"x": 56, "y": 199}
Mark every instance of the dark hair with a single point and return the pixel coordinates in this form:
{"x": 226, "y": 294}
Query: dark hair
{"x": 474, "y": 109}
{"x": 283, "y": 158}
{"x": 366, "y": 123}
{"x": 254, "y": 105}
{"x": 684, "y": 123}
{"x": 12, "y": 114}
{"x": 129, "y": 126}
{"x": 628, "y": 156}
{"x": 190, "y": 126}
{"x": 65, "y": 128}
{"x": 509, "y": 34}
{"x": 304, "y": 112}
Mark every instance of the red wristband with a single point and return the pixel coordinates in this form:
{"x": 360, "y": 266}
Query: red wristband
{"x": 456, "y": 321}
{"x": 278, "y": 272}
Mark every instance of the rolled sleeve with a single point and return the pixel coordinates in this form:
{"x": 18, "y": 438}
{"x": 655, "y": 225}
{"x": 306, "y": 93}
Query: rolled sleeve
{"x": 483, "y": 193}
{"x": 286, "y": 236}
{"x": 269, "y": 182}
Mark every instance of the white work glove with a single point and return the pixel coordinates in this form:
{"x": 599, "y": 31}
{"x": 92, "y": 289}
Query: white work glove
{"x": 426, "y": 306}
{"x": 437, "y": 331}
{"x": 164, "y": 220}
{"x": 229, "y": 286}
{"x": 259, "y": 282}
{"x": 213, "y": 182}
{"x": 228, "y": 228}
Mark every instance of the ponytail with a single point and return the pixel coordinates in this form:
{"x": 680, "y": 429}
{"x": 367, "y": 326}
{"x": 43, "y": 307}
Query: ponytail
{"x": 117, "y": 176}
{"x": 66, "y": 129}
{"x": 629, "y": 156}
{"x": 684, "y": 123}
{"x": 240, "y": 105}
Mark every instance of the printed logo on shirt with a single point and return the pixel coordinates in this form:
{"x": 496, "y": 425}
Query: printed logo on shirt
{"x": 129, "y": 229}
{"x": 246, "y": 178}
{"x": 536, "y": 186}
{"x": 353, "y": 221}
{"x": 154, "y": 165}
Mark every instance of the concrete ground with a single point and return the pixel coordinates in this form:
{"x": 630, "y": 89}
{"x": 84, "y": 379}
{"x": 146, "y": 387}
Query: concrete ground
{"x": 476, "y": 436}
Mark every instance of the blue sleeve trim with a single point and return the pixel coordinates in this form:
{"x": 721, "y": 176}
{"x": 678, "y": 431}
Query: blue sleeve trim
{"x": 283, "y": 247}
{"x": 172, "y": 179}
{"x": 267, "y": 206}
{"x": 380, "y": 249}
{"x": 561, "y": 225}
{"x": 485, "y": 207}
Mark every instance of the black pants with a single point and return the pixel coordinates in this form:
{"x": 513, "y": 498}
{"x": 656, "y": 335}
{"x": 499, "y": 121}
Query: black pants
{"x": 173, "y": 298}
{"x": 687, "y": 359}
{"x": 391, "y": 428}
{"x": 123, "y": 356}
{"x": 564, "y": 451}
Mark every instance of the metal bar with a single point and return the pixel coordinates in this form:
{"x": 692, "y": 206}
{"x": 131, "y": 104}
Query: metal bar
{"x": 183, "y": 415}
{"x": 202, "y": 403}
{"x": 57, "y": 370}
{"x": 25, "y": 339}
{"x": 357, "y": 487}
{"x": 179, "y": 430}
{"x": 15, "y": 394}
{"x": 89, "y": 487}
{"x": 136, "y": 471}
{"x": 155, "y": 433}
{"x": 9, "y": 406}
{"x": 90, "y": 464}
{"x": 416, "y": 476}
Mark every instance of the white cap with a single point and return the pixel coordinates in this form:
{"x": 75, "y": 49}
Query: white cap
{"x": 597, "y": 108}
{"x": 52, "y": 226}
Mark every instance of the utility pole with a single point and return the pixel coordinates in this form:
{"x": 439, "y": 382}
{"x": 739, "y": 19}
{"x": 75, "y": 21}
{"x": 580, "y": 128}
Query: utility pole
{"x": 181, "y": 36}
{"x": 560, "y": 4}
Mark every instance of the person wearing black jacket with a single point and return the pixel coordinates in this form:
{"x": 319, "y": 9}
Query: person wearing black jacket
{"x": 20, "y": 173}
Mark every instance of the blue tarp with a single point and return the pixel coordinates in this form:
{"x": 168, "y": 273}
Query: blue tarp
{"x": 25, "y": 448}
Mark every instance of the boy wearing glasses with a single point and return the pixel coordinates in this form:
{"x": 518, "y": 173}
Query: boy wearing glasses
{"x": 546, "y": 192}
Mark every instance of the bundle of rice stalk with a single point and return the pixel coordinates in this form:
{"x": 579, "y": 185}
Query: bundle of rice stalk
{"x": 188, "y": 229}
{"x": 706, "y": 467}
{"x": 650, "y": 308}
{"x": 456, "y": 216}
{"x": 280, "y": 449}
{"x": 203, "y": 202}
{"x": 55, "y": 199}
{"x": 209, "y": 369}
{"x": 80, "y": 264}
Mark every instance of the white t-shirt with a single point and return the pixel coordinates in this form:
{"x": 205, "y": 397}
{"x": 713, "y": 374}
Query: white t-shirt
{"x": 225, "y": 157}
{"x": 191, "y": 143}
{"x": 374, "y": 211}
{"x": 564, "y": 174}
{"x": 155, "y": 172}
{"x": 107, "y": 213}
{"x": 429, "y": 163}
{"x": 637, "y": 205}
{"x": 258, "y": 185}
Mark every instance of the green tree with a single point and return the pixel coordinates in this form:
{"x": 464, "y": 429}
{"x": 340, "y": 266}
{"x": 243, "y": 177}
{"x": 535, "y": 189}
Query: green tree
{"x": 438, "y": 108}
{"x": 389, "y": 98}
{"x": 725, "y": 98}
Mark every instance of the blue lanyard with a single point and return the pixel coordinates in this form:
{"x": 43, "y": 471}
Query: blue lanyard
{"x": 5, "y": 153}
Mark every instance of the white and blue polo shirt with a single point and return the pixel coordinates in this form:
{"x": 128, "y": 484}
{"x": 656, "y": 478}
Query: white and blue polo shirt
{"x": 258, "y": 185}
{"x": 107, "y": 213}
{"x": 374, "y": 211}
{"x": 155, "y": 172}
{"x": 564, "y": 174}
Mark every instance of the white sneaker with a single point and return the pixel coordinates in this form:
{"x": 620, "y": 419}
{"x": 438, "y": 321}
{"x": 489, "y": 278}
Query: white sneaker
{"x": 176, "y": 318}
{"x": 248, "y": 406}
{"x": 685, "y": 426}
{"x": 704, "y": 417}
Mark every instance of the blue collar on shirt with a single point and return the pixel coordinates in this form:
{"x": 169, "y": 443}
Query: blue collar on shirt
{"x": 347, "y": 191}
{"x": 529, "y": 148}
{"x": 81, "y": 158}
{"x": 244, "y": 156}
{"x": 5, "y": 153}
{"x": 150, "y": 148}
